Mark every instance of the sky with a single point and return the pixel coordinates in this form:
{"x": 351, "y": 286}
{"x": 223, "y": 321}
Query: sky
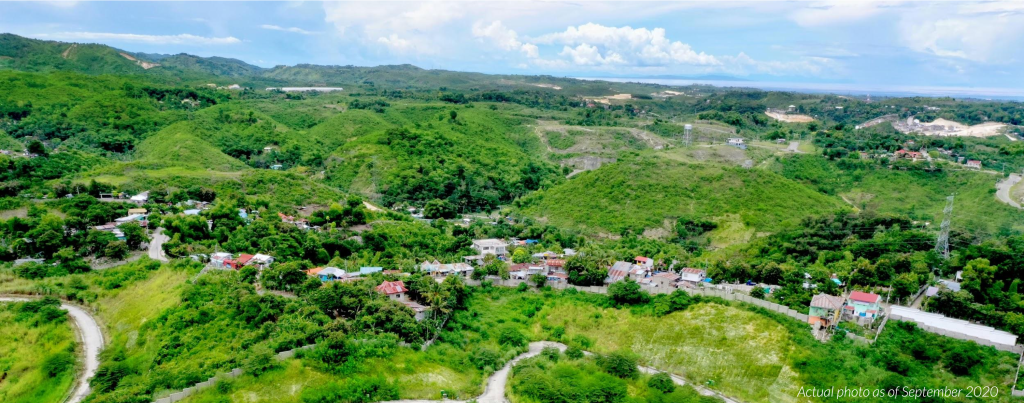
{"x": 935, "y": 44}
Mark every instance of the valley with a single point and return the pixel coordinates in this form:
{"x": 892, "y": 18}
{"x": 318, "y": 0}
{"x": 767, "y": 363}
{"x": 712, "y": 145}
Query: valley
{"x": 421, "y": 234}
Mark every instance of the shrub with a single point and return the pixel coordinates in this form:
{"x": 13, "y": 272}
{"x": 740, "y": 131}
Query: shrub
{"x": 619, "y": 364}
{"x": 574, "y": 353}
{"x": 662, "y": 382}
{"x": 259, "y": 361}
{"x": 627, "y": 292}
{"x": 56, "y": 364}
{"x": 510, "y": 336}
{"x": 551, "y": 353}
{"x": 485, "y": 357}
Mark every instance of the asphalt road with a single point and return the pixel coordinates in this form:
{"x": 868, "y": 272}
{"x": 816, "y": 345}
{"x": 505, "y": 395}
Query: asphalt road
{"x": 156, "y": 250}
{"x": 91, "y": 338}
{"x": 1003, "y": 190}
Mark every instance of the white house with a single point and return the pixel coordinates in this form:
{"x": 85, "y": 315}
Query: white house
{"x": 262, "y": 260}
{"x": 491, "y": 247}
{"x": 692, "y": 275}
{"x": 141, "y": 198}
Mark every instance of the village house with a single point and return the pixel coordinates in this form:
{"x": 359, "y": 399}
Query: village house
{"x": 419, "y": 311}
{"x": 824, "y": 309}
{"x": 736, "y": 142}
{"x": 495, "y": 247}
{"x": 262, "y": 261}
{"x": 863, "y": 305}
{"x": 911, "y": 155}
{"x": 140, "y": 198}
{"x": 618, "y": 271}
{"x": 218, "y": 259}
{"x": 438, "y": 269}
{"x": 692, "y": 275}
{"x": 645, "y": 262}
{"x": 973, "y": 164}
{"x": 393, "y": 289}
{"x": 558, "y": 277}
{"x": 523, "y": 271}
{"x": 328, "y": 273}
{"x": 664, "y": 279}
{"x": 554, "y": 264}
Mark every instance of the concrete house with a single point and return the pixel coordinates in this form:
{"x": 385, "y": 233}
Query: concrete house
{"x": 974, "y": 164}
{"x": 664, "y": 279}
{"x": 824, "y": 308}
{"x": 491, "y": 247}
{"x": 692, "y": 275}
{"x": 393, "y": 289}
{"x": 863, "y": 305}
{"x": 329, "y": 274}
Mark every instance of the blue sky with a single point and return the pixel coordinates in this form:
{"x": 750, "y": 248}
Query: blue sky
{"x": 958, "y": 44}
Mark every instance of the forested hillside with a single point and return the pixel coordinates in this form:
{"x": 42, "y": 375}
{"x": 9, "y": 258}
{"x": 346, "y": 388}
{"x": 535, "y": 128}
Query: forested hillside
{"x": 634, "y": 195}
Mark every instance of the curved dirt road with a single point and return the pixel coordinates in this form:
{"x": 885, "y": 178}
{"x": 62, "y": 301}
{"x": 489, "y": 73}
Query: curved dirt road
{"x": 495, "y": 391}
{"x": 1003, "y": 190}
{"x": 92, "y": 342}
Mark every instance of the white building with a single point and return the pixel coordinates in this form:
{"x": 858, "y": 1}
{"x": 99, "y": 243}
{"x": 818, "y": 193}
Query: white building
{"x": 491, "y": 247}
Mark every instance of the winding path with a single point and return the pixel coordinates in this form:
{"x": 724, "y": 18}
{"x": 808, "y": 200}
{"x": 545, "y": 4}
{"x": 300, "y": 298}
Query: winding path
{"x": 495, "y": 391}
{"x": 156, "y": 250}
{"x": 92, "y": 342}
{"x": 1003, "y": 190}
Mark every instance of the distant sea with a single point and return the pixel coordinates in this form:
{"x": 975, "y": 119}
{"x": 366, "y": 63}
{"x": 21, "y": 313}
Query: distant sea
{"x": 839, "y": 88}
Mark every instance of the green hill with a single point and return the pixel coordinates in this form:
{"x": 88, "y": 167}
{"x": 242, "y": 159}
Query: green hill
{"x": 917, "y": 193}
{"x": 26, "y": 54}
{"x": 182, "y": 145}
{"x": 477, "y": 160}
{"x": 645, "y": 193}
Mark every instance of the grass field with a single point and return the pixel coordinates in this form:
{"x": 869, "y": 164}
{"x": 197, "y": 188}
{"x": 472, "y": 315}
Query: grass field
{"x": 742, "y": 353}
{"x": 25, "y": 350}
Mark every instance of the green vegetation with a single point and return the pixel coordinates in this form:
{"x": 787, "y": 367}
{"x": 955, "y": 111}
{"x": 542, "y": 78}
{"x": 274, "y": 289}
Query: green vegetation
{"x": 556, "y": 378}
{"x": 37, "y": 352}
{"x": 631, "y": 196}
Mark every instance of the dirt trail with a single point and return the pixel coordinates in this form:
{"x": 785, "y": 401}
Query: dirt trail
{"x": 1003, "y": 190}
{"x": 91, "y": 337}
{"x": 794, "y": 147}
{"x": 496, "y": 384}
{"x": 67, "y": 52}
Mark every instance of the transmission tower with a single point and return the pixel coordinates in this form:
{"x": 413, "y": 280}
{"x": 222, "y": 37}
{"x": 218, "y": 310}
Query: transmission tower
{"x": 942, "y": 244}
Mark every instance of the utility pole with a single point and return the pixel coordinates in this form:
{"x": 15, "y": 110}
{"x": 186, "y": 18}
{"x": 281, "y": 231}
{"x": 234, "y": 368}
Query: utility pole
{"x": 942, "y": 243}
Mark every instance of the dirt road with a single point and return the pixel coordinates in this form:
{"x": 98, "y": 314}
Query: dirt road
{"x": 495, "y": 391}
{"x": 156, "y": 250}
{"x": 91, "y": 337}
{"x": 1003, "y": 190}
{"x": 794, "y": 147}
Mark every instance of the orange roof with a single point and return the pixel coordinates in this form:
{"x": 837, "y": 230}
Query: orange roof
{"x": 392, "y": 287}
{"x": 244, "y": 258}
{"x": 314, "y": 271}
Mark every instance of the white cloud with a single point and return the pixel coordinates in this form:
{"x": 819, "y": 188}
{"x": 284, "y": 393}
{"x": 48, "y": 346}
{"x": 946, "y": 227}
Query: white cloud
{"x": 588, "y": 55}
{"x": 401, "y": 27}
{"x": 504, "y": 38}
{"x": 180, "y": 39}
{"x": 987, "y": 33}
{"x": 838, "y": 12}
{"x": 640, "y": 46}
{"x": 289, "y": 29}
{"x": 396, "y": 44}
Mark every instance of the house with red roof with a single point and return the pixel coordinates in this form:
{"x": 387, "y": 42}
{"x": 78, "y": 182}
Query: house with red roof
{"x": 974, "y": 164}
{"x": 863, "y": 305}
{"x": 646, "y": 262}
{"x": 393, "y": 289}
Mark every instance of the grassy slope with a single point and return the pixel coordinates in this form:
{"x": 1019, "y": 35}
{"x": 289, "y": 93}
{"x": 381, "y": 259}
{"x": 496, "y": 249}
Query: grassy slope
{"x": 742, "y": 352}
{"x": 23, "y": 348}
{"x": 644, "y": 193}
{"x": 918, "y": 194}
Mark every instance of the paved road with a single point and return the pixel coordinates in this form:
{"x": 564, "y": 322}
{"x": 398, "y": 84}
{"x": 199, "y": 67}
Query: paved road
{"x": 1003, "y": 190}
{"x": 495, "y": 391}
{"x": 156, "y": 250}
{"x": 794, "y": 147}
{"x": 92, "y": 342}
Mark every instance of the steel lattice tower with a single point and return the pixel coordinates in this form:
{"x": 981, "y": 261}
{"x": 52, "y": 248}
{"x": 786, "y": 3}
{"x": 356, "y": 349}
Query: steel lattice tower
{"x": 942, "y": 244}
